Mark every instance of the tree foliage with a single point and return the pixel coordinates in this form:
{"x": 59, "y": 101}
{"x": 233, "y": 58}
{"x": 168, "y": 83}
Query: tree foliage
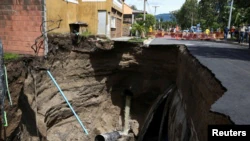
{"x": 213, "y": 13}
{"x": 188, "y": 13}
{"x": 150, "y": 20}
{"x": 168, "y": 24}
{"x": 139, "y": 28}
{"x": 133, "y": 7}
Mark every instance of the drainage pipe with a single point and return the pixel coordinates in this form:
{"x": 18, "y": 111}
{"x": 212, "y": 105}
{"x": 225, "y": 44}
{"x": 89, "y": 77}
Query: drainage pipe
{"x": 5, "y": 119}
{"x": 128, "y": 94}
{"x": 52, "y": 78}
{"x": 112, "y": 136}
{"x": 7, "y": 85}
{"x": 127, "y": 114}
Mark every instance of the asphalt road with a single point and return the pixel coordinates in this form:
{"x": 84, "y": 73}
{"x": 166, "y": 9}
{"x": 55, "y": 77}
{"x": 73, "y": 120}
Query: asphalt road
{"x": 231, "y": 65}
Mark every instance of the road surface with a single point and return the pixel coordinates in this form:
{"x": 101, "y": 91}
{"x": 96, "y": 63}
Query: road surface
{"x": 231, "y": 65}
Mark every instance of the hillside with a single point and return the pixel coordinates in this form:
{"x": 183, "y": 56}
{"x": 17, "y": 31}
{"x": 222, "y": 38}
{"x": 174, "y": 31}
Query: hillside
{"x": 165, "y": 16}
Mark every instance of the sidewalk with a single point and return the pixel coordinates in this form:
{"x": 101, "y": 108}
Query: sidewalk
{"x": 123, "y": 38}
{"x": 126, "y": 38}
{"x": 211, "y": 40}
{"x": 232, "y": 42}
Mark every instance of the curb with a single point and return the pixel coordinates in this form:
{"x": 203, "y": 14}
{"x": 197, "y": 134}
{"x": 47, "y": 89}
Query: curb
{"x": 218, "y": 41}
{"x": 147, "y": 42}
{"x": 234, "y": 43}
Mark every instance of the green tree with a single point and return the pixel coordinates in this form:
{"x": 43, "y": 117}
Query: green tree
{"x": 213, "y": 13}
{"x": 188, "y": 14}
{"x": 133, "y": 7}
{"x": 139, "y": 28}
{"x": 168, "y": 24}
{"x": 150, "y": 21}
{"x": 241, "y": 12}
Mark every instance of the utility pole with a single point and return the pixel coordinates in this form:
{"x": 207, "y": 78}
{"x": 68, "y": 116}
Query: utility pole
{"x": 230, "y": 14}
{"x": 192, "y": 20}
{"x": 155, "y": 15}
{"x": 155, "y": 9}
{"x": 144, "y": 17}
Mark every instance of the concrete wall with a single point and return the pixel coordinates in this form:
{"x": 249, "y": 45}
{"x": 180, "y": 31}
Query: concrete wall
{"x": 57, "y": 9}
{"x": 126, "y": 30}
{"x": 88, "y": 12}
{"x": 20, "y": 22}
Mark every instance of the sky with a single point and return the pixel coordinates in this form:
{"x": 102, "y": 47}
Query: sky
{"x": 165, "y": 6}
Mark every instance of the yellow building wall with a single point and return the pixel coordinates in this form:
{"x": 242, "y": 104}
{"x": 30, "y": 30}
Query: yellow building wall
{"x": 71, "y": 12}
{"x": 88, "y": 12}
{"x": 127, "y": 9}
{"x": 66, "y": 10}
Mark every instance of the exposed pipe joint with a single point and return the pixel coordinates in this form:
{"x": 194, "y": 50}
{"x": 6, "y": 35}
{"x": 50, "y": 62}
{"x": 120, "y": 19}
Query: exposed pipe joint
{"x": 112, "y": 136}
{"x": 128, "y": 94}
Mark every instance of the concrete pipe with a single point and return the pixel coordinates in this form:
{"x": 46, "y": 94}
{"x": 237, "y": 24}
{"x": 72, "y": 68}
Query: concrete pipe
{"x": 112, "y": 136}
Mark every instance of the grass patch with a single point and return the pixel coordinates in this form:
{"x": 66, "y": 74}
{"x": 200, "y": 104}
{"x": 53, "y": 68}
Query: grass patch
{"x": 137, "y": 40}
{"x": 10, "y": 56}
{"x": 86, "y": 34}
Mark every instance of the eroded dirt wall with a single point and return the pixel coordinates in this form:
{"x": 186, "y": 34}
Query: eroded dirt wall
{"x": 93, "y": 77}
{"x": 199, "y": 89}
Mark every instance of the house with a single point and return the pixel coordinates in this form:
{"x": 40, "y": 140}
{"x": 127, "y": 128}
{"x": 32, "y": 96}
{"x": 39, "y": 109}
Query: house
{"x": 24, "y": 24}
{"x": 136, "y": 13}
{"x": 127, "y": 19}
{"x": 103, "y": 17}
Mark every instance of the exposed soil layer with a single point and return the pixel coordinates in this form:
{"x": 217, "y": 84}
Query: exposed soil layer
{"x": 93, "y": 74}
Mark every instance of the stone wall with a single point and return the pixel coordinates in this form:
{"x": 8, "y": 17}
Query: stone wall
{"x": 126, "y": 30}
{"x": 117, "y": 32}
{"x": 20, "y": 22}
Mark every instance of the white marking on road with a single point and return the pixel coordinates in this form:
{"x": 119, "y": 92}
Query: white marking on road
{"x": 189, "y": 44}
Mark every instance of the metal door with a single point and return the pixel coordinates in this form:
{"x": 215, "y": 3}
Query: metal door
{"x": 108, "y": 26}
{"x": 101, "y": 22}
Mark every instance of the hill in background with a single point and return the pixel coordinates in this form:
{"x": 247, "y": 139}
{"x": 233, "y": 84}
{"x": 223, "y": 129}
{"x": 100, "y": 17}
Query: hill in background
{"x": 165, "y": 16}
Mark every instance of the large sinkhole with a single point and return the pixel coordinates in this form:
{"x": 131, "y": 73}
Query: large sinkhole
{"x": 120, "y": 90}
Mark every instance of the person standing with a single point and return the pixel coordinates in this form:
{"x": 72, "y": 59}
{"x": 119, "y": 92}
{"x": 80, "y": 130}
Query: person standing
{"x": 207, "y": 31}
{"x": 232, "y": 32}
{"x": 241, "y": 33}
{"x": 225, "y": 33}
{"x": 248, "y": 36}
{"x": 248, "y": 41}
{"x": 130, "y": 30}
{"x": 247, "y": 33}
